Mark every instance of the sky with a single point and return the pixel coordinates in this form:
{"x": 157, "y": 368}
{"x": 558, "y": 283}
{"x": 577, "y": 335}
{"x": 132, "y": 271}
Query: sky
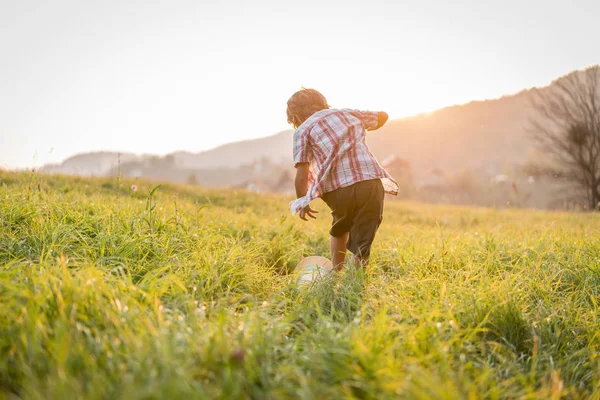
{"x": 160, "y": 76}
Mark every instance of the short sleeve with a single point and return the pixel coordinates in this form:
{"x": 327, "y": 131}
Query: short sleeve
{"x": 302, "y": 150}
{"x": 370, "y": 119}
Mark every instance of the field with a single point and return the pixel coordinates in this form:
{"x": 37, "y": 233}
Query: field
{"x": 182, "y": 292}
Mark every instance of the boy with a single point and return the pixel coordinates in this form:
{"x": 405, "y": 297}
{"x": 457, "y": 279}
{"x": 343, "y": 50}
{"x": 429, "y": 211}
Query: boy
{"x": 333, "y": 162}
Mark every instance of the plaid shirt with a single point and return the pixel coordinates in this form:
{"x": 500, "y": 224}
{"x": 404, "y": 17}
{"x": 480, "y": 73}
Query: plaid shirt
{"x": 333, "y": 142}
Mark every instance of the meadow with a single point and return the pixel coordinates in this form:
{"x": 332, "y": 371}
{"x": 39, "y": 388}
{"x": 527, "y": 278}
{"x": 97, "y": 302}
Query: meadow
{"x": 177, "y": 292}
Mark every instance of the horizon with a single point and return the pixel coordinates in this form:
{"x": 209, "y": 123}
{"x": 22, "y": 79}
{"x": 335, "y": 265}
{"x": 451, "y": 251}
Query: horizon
{"x": 149, "y": 80}
{"x": 290, "y": 129}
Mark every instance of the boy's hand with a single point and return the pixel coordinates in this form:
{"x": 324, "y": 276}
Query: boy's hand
{"x": 382, "y": 119}
{"x": 307, "y": 211}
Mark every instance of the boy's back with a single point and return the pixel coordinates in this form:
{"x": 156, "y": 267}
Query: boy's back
{"x": 333, "y": 143}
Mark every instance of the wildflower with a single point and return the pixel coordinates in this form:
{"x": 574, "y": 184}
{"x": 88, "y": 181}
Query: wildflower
{"x": 134, "y": 188}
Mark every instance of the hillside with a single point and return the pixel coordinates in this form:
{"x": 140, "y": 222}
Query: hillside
{"x": 275, "y": 147}
{"x": 99, "y": 163}
{"x": 181, "y": 292}
{"x": 480, "y": 135}
{"x": 232, "y": 155}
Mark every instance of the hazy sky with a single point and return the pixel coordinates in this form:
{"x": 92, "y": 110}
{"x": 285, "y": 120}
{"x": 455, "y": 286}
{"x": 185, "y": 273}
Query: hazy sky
{"x": 159, "y": 76}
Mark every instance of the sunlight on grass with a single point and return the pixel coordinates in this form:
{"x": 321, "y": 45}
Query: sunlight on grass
{"x": 110, "y": 293}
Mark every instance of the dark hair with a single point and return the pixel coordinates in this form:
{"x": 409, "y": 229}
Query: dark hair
{"x": 303, "y": 104}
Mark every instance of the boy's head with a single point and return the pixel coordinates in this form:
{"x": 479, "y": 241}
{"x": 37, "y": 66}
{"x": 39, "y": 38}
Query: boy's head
{"x": 303, "y": 104}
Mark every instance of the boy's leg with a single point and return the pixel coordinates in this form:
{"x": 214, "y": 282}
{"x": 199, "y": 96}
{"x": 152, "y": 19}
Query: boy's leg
{"x": 360, "y": 262}
{"x": 338, "y": 250}
{"x": 368, "y": 216}
{"x": 340, "y": 203}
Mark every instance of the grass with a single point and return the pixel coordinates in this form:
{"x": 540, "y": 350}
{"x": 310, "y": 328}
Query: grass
{"x": 108, "y": 293}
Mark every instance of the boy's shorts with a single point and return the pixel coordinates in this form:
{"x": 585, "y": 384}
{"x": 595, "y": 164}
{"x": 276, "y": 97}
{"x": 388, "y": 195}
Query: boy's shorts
{"x": 357, "y": 209}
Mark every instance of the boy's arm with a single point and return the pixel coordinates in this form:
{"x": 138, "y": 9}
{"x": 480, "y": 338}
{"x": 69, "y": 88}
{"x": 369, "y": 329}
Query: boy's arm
{"x": 301, "y": 181}
{"x": 371, "y": 120}
{"x": 301, "y": 184}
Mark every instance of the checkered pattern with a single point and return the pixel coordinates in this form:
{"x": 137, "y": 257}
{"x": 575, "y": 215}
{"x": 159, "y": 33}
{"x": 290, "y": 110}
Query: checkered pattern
{"x": 333, "y": 142}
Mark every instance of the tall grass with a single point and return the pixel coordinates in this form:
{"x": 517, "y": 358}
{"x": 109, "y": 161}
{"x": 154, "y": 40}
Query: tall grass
{"x": 179, "y": 292}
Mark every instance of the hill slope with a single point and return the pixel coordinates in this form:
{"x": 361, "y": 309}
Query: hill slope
{"x": 276, "y": 148}
{"x": 105, "y": 295}
{"x": 91, "y": 164}
{"x": 482, "y": 134}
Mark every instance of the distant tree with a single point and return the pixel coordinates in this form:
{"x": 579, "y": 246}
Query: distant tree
{"x": 192, "y": 179}
{"x": 285, "y": 182}
{"x": 463, "y": 181}
{"x": 169, "y": 160}
{"x": 538, "y": 164}
{"x": 566, "y": 124}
